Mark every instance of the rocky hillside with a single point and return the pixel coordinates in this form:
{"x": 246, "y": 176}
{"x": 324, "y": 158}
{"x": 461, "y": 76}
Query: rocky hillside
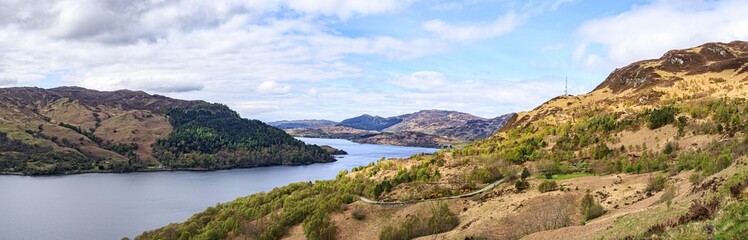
{"x": 657, "y": 151}
{"x": 476, "y": 129}
{"x": 73, "y": 130}
{"x": 313, "y": 123}
{"x": 431, "y": 121}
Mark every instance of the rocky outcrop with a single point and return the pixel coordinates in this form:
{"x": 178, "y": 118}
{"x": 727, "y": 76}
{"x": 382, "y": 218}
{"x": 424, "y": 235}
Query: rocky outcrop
{"x": 709, "y": 57}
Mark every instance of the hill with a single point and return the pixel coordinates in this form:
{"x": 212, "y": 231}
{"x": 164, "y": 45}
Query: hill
{"x": 313, "y": 123}
{"x": 75, "y": 130}
{"x": 476, "y": 129}
{"x": 657, "y": 151}
{"x": 431, "y": 121}
{"x": 369, "y": 122}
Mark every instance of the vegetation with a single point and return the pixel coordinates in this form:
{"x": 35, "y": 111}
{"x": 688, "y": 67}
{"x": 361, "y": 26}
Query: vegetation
{"x": 547, "y": 186}
{"x": 358, "y": 214}
{"x": 270, "y": 215}
{"x": 368, "y": 122}
{"x": 17, "y": 156}
{"x": 439, "y": 220}
{"x": 590, "y": 209}
{"x": 522, "y": 183}
{"x": 656, "y": 183}
{"x": 662, "y": 116}
{"x": 211, "y": 136}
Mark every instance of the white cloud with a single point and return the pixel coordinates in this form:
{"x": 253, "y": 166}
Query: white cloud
{"x": 470, "y": 31}
{"x": 423, "y": 80}
{"x": 648, "y": 31}
{"x": 347, "y": 8}
{"x": 6, "y": 82}
{"x": 312, "y": 92}
{"x": 221, "y": 50}
{"x": 272, "y": 87}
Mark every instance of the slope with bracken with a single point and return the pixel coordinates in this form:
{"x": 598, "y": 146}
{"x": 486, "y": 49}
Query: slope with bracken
{"x": 658, "y": 150}
{"x": 73, "y": 130}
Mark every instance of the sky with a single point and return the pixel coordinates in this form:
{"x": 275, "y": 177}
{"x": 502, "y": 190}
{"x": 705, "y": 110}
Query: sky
{"x": 335, "y": 59}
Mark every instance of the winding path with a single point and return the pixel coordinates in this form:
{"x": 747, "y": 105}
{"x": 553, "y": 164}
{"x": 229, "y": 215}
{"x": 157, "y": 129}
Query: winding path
{"x": 400, "y": 203}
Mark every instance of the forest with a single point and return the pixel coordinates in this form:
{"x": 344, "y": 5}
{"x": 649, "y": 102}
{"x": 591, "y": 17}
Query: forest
{"x": 212, "y": 136}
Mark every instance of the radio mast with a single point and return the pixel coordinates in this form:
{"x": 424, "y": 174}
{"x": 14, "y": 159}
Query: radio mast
{"x": 566, "y": 87}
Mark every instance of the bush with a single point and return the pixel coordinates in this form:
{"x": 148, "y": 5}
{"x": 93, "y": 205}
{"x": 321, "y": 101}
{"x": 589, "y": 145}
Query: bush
{"x": 525, "y": 173}
{"x": 661, "y": 117}
{"x": 521, "y": 185}
{"x": 656, "y": 183}
{"x": 670, "y": 147}
{"x": 593, "y": 212}
{"x": 358, "y": 214}
{"x": 547, "y": 186}
{"x": 696, "y": 177}
{"x": 590, "y": 209}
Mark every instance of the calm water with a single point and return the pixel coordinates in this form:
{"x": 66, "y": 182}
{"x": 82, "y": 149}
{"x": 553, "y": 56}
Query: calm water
{"x": 112, "y": 206}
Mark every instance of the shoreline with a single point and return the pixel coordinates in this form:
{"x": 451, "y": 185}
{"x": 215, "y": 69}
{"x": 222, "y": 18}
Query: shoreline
{"x": 152, "y": 170}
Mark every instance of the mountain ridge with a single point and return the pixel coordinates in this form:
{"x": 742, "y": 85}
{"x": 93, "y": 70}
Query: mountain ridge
{"x": 434, "y": 128}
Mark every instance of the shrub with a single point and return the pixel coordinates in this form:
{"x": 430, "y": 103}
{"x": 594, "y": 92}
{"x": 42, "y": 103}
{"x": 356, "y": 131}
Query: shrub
{"x": 661, "y": 117}
{"x": 670, "y": 147}
{"x": 358, "y": 214}
{"x": 600, "y": 151}
{"x": 525, "y": 173}
{"x": 593, "y": 212}
{"x": 587, "y": 201}
{"x": 655, "y": 183}
{"x": 590, "y": 209}
{"x": 521, "y": 185}
{"x": 547, "y": 186}
{"x": 696, "y": 177}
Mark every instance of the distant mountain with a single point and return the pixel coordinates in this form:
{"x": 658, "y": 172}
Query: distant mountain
{"x": 426, "y": 128}
{"x": 431, "y": 121}
{"x": 369, "y": 122}
{"x": 74, "y": 130}
{"x": 308, "y": 123}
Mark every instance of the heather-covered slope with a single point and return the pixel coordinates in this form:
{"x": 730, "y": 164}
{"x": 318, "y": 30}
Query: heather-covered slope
{"x": 74, "y": 130}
